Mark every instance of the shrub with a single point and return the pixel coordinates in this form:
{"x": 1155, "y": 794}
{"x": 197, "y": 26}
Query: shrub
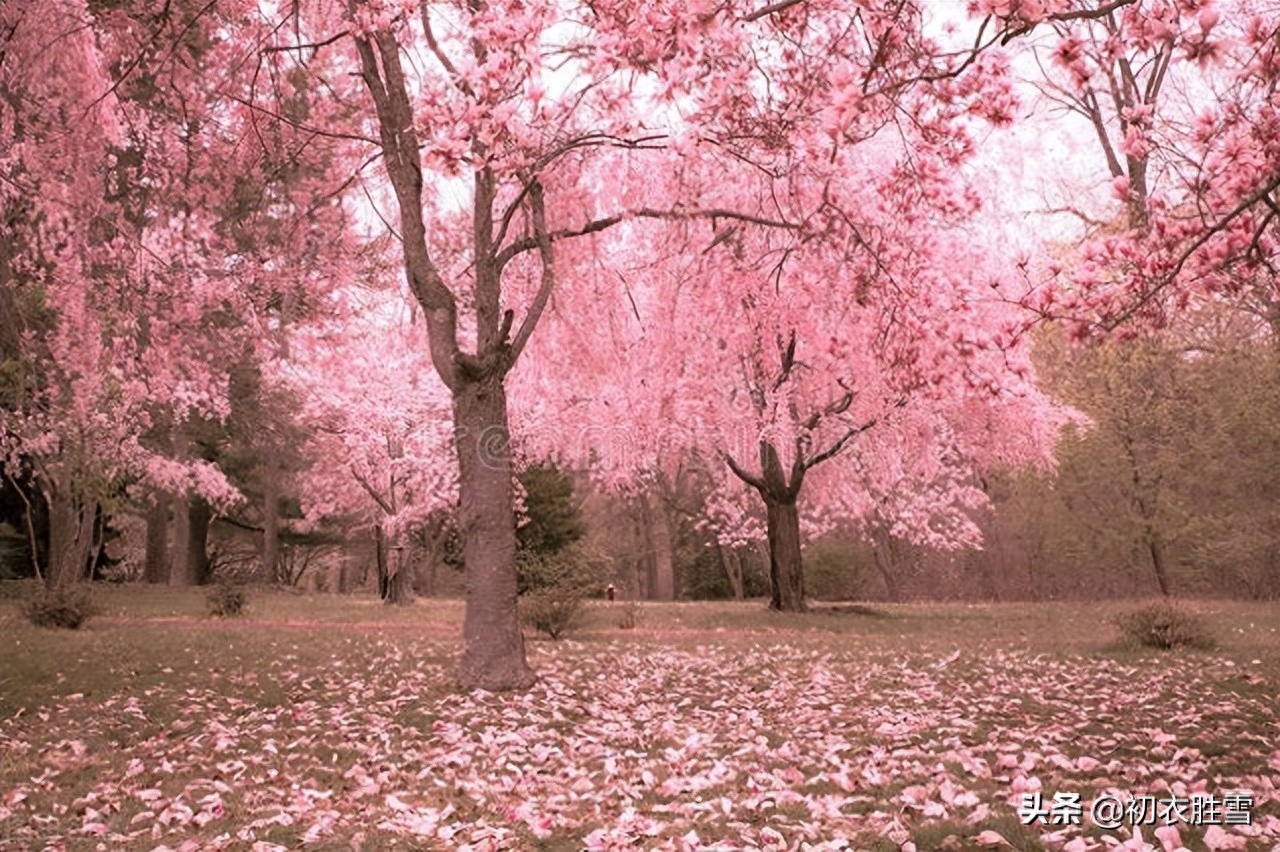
{"x": 1163, "y": 625}
{"x": 575, "y": 566}
{"x": 227, "y": 600}
{"x": 65, "y": 606}
{"x": 628, "y": 615}
{"x": 554, "y": 611}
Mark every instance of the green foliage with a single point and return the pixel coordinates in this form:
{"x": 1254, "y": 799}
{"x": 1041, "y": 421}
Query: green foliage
{"x": 67, "y": 607}
{"x": 576, "y": 566}
{"x": 552, "y": 611}
{"x": 1175, "y": 475}
{"x": 835, "y": 568}
{"x": 703, "y": 572}
{"x": 14, "y": 552}
{"x": 553, "y": 521}
{"x": 1164, "y": 626}
{"x": 227, "y": 600}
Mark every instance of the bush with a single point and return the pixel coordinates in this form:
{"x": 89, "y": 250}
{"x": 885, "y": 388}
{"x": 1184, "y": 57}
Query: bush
{"x": 628, "y": 615}
{"x": 575, "y": 566}
{"x": 66, "y": 606}
{"x": 554, "y": 611}
{"x": 1164, "y": 626}
{"x": 227, "y": 600}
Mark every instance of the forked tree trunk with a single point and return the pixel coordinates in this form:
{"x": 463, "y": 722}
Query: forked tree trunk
{"x": 780, "y": 490}
{"x": 493, "y": 645}
{"x": 785, "y": 568}
{"x": 155, "y": 566}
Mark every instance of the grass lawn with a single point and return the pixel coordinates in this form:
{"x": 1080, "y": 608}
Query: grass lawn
{"x": 331, "y": 722}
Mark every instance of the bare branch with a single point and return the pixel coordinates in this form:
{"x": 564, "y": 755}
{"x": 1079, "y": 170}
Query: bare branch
{"x": 377, "y": 498}
{"x": 547, "y": 256}
{"x": 597, "y": 225}
{"x": 834, "y": 450}
{"x": 754, "y": 481}
{"x": 315, "y": 45}
{"x": 771, "y": 9}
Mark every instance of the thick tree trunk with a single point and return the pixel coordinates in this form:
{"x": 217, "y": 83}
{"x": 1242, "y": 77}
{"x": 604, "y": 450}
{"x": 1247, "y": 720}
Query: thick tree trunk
{"x": 188, "y": 552}
{"x": 71, "y": 539}
{"x": 178, "y": 544}
{"x": 155, "y": 566}
{"x": 785, "y": 569}
{"x": 493, "y": 646}
{"x": 201, "y": 515}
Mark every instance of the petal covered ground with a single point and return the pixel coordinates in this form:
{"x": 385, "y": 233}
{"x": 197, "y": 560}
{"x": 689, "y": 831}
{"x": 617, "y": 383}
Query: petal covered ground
{"x": 728, "y": 744}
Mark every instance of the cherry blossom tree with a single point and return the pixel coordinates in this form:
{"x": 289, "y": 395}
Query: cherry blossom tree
{"x": 531, "y": 125}
{"x": 873, "y": 379}
{"x": 380, "y": 424}
{"x": 154, "y": 214}
{"x": 1180, "y": 99}
{"x": 78, "y": 422}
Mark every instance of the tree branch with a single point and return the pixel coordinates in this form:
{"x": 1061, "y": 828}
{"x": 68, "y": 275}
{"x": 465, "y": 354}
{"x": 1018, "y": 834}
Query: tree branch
{"x": 1248, "y": 201}
{"x": 377, "y": 498}
{"x": 834, "y": 450}
{"x": 738, "y": 471}
{"x": 597, "y": 225}
{"x": 772, "y": 8}
{"x": 547, "y": 257}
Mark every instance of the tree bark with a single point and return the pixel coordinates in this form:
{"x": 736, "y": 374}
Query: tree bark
{"x": 883, "y": 554}
{"x": 71, "y": 527}
{"x": 434, "y": 532}
{"x": 493, "y": 644}
{"x": 380, "y": 559}
{"x": 155, "y": 565}
{"x": 732, "y": 565}
{"x": 785, "y": 568}
{"x": 188, "y": 552}
{"x": 1156, "y": 548}
{"x": 200, "y": 514}
{"x": 399, "y": 575}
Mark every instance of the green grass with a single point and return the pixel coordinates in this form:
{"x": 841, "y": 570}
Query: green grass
{"x": 309, "y": 692}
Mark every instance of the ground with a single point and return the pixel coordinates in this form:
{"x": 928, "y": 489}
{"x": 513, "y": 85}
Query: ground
{"x": 333, "y": 723}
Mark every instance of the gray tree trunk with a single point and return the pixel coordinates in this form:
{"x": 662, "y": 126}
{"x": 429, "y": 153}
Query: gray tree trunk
{"x": 785, "y": 567}
{"x": 493, "y": 656}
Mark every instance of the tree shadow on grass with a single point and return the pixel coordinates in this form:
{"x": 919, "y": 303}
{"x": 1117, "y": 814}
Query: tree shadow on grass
{"x": 851, "y": 609}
